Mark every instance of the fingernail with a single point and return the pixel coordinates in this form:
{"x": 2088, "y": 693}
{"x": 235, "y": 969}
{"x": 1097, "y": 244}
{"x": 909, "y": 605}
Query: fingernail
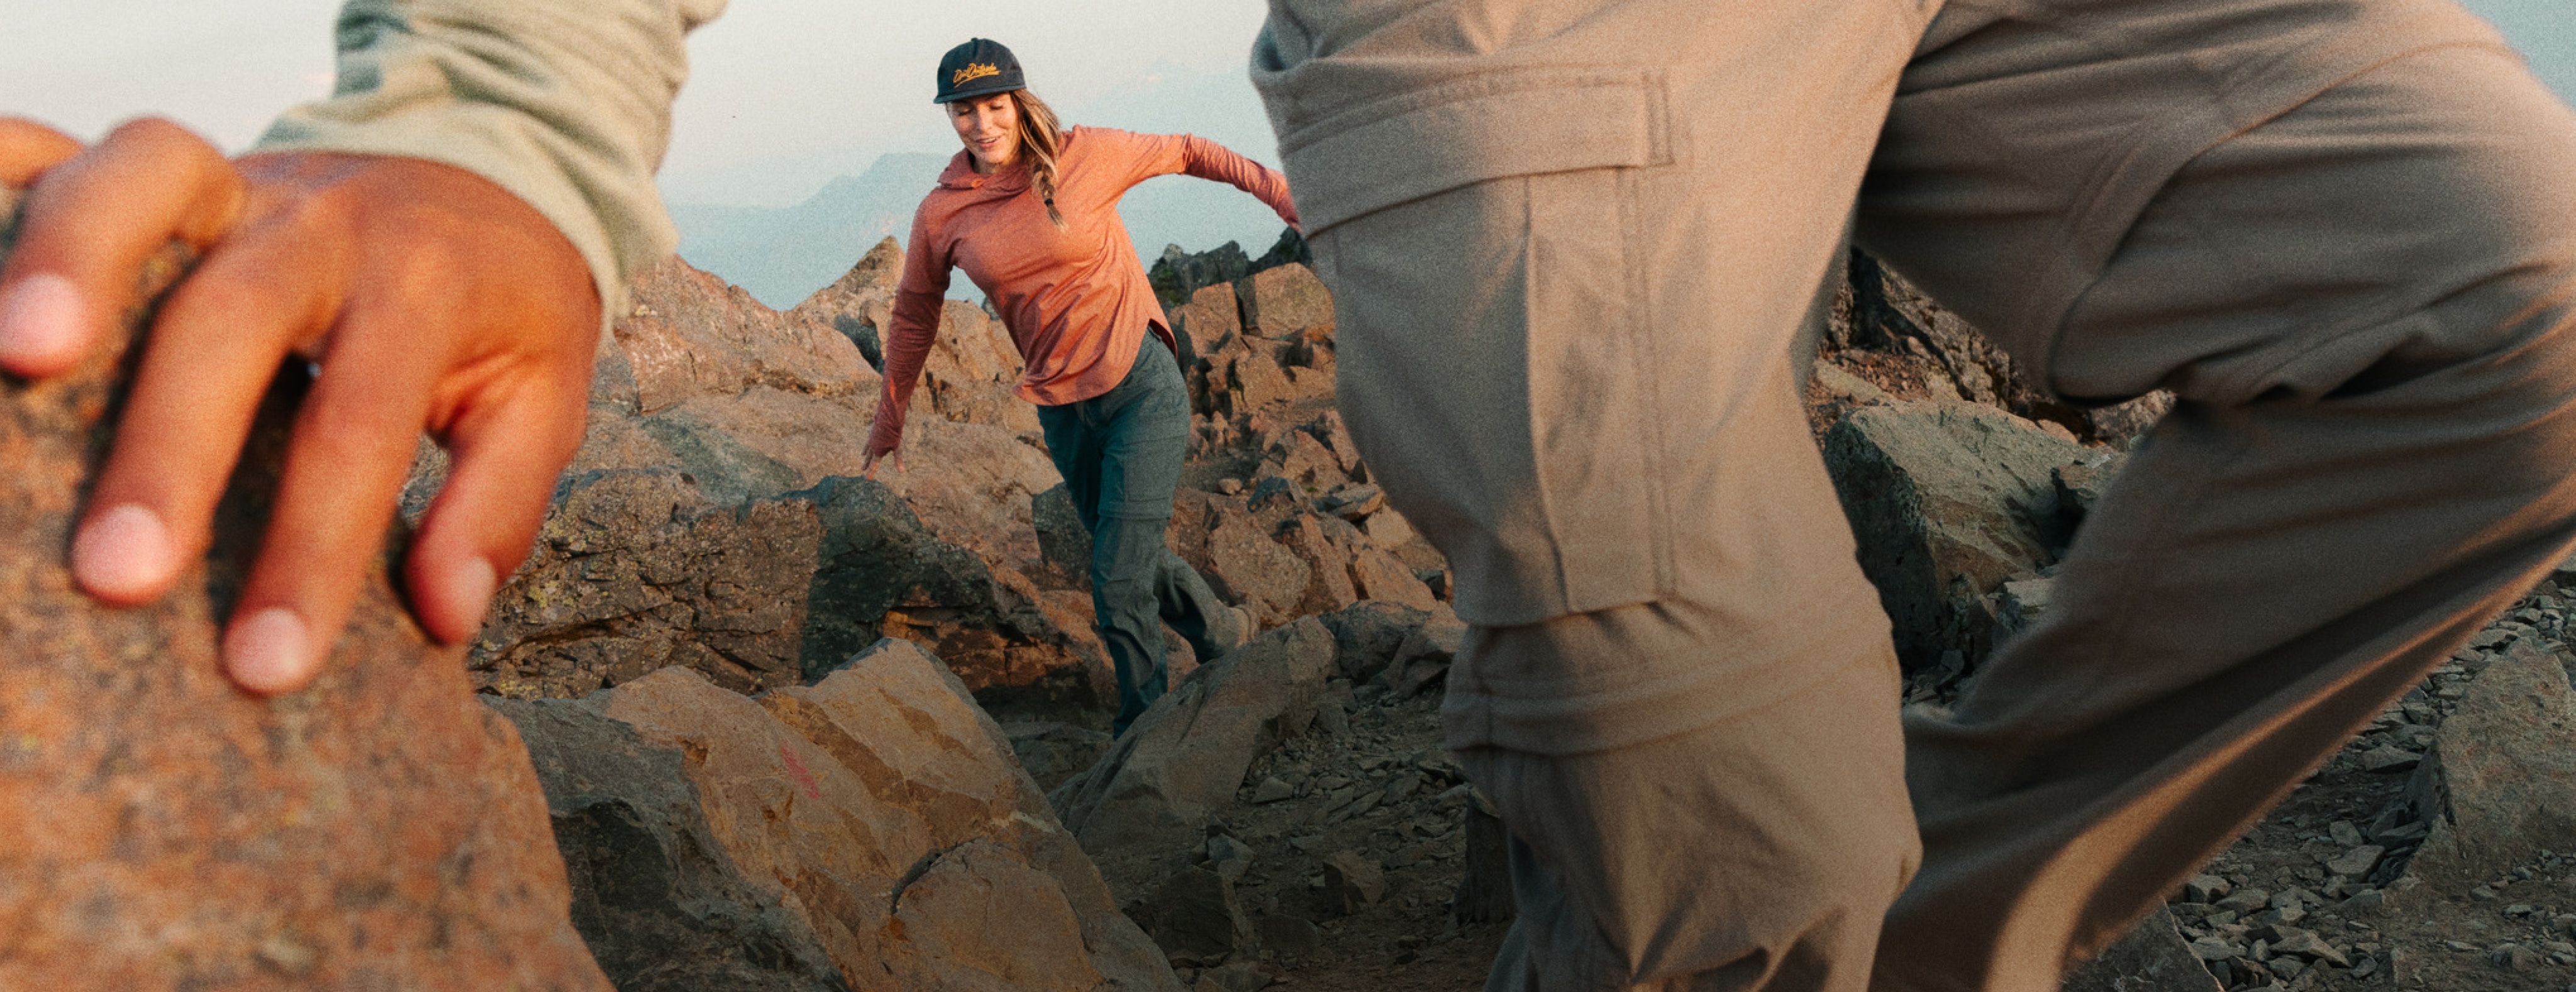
{"x": 269, "y": 653}
{"x": 470, "y": 586}
{"x": 125, "y": 555}
{"x": 40, "y": 320}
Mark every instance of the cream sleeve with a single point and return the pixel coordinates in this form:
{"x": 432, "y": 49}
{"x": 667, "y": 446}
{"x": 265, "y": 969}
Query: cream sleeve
{"x": 565, "y": 103}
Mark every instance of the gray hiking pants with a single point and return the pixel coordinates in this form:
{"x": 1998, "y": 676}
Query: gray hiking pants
{"x": 1572, "y": 243}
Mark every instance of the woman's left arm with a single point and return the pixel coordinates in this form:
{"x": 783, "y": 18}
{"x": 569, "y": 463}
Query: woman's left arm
{"x": 1197, "y": 156}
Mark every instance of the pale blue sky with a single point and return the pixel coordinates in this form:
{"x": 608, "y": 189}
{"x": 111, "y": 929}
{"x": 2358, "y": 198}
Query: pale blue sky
{"x": 774, "y": 78}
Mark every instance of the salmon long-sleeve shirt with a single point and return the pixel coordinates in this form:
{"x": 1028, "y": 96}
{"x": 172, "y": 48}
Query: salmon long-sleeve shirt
{"x": 1075, "y": 300}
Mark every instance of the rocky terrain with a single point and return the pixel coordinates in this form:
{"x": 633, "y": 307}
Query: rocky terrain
{"x": 797, "y": 729}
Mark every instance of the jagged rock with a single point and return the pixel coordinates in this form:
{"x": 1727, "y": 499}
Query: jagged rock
{"x": 860, "y": 304}
{"x": 1307, "y": 462}
{"x": 1331, "y": 589}
{"x": 2080, "y": 485}
{"x": 1285, "y": 301}
{"x": 1367, "y": 635}
{"x": 1053, "y": 752}
{"x": 1228, "y": 857}
{"x": 1179, "y": 274}
{"x": 1379, "y": 576}
{"x": 1194, "y": 914}
{"x": 1258, "y": 382}
{"x": 2121, "y": 425}
{"x": 2500, "y": 783}
{"x": 884, "y": 813}
{"x": 1352, "y": 882}
{"x": 1209, "y": 321}
{"x": 1139, "y": 810}
{"x": 636, "y": 571}
{"x": 1389, "y": 529}
{"x": 2154, "y": 957}
{"x": 1425, "y": 654}
{"x": 1945, "y": 496}
{"x": 753, "y": 404}
{"x": 972, "y": 364}
{"x": 1248, "y": 568}
{"x": 168, "y": 831}
{"x": 691, "y": 334}
{"x": 657, "y": 898}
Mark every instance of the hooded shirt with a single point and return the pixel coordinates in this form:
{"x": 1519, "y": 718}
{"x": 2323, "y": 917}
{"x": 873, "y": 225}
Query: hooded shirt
{"x": 1075, "y": 299}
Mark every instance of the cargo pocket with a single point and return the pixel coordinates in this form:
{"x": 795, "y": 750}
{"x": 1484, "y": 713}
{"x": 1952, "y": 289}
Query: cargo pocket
{"x": 1481, "y": 240}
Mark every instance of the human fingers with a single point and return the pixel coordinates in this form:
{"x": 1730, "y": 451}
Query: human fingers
{"x": 215, "y": 348}
{"x": 507, "y": 451}
{"x": 347, "y": 456}
{"x": 466, "y": 313}
{"x": 90, "y": 222}
{"x": 27, "y": 149}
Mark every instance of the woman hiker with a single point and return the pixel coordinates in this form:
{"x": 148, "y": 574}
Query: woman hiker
{"x": 1030, "y": 212}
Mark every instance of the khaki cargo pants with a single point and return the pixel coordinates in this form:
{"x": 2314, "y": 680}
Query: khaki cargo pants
{"x": 1573, "y": 243}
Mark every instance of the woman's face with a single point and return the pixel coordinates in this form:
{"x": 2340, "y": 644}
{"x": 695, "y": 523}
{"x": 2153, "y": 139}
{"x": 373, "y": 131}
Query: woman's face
{"x": 990, "y": 127}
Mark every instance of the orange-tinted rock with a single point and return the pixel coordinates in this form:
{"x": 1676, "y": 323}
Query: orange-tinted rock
{"x": 1283, "y": 302}
{"x": 379, "y": 830}
{"x": 879, "y": 815}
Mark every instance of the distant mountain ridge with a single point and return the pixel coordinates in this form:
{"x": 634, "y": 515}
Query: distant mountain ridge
{"x": 782, "y": 254}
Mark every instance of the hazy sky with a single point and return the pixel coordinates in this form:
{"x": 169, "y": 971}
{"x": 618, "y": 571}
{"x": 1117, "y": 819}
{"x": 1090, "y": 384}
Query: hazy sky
{"x": 772, "y": 78}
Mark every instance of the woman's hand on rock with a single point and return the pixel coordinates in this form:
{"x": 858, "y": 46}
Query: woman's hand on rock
{"x": 431, "y": 300}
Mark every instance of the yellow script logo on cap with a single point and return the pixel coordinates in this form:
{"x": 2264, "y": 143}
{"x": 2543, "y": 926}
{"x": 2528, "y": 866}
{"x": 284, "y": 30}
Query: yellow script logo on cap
{"x": 978, "y": 70}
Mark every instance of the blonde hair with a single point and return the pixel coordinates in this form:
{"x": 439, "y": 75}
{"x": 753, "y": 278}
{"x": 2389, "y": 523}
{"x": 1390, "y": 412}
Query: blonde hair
{"x": 1041, "y": 138}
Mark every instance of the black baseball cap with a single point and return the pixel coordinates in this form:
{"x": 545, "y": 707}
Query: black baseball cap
{"x": 980, "y": 67}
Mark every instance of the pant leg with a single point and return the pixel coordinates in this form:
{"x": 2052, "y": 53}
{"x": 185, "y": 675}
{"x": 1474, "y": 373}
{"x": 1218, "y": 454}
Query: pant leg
{"x": 2366, "y": 299}
{"x": 1196, "y": 612}
{"x": 1126, "y": 446}
{"x": 1571, "y": 245}
{"x": 1754, "y": 853}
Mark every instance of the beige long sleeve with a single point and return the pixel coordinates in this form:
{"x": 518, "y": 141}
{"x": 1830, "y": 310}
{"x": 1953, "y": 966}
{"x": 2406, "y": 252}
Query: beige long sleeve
{"x": 565, "y": 103}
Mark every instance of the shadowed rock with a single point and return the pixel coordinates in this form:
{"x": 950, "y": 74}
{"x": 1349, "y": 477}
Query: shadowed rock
{"x": 1947, "y": 500}
{"x": 877, "y": 816}
{"x": 2499, "y": 787}
{"x": 167, "y": 831}
{"x": 1138, "y": 811}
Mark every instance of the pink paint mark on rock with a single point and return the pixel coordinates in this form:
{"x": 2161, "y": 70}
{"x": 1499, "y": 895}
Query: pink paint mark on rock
{"x": 796, "y": 767}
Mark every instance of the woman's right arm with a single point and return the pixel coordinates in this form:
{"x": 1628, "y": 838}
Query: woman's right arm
{"x": 907, "y": 345}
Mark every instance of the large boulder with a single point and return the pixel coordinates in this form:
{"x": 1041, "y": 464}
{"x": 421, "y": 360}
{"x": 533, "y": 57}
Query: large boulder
{"x": 1247, "y": 567}
{"x": 692, "y": 334}
{"x": 972, "y": 364}
{"x": 661, "y": 903}
{"x": 2499, "y": 786}
{"x": 1139, "y": 811}
{"x": 1947, "y": 499}
{"x": 1285, "y": 302}
{"x": 877, "y": 815}
{"x": 168, "y": 831}
{"x": 636, "y": 571}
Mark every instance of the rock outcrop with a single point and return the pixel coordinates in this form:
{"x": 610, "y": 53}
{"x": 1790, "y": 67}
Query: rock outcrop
{"x": 1947, "y": 500}
{"x": 168, "y": 831}
{"x": 711, "y": 519}
{"x": 1139, "y": 809}
{"x": 2499, "y": 785}
{"x": 876, "y": 817}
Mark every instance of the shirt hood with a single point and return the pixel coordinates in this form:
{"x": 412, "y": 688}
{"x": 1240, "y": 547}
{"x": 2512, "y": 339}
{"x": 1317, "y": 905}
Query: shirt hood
{"x": 961, "y": 174}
